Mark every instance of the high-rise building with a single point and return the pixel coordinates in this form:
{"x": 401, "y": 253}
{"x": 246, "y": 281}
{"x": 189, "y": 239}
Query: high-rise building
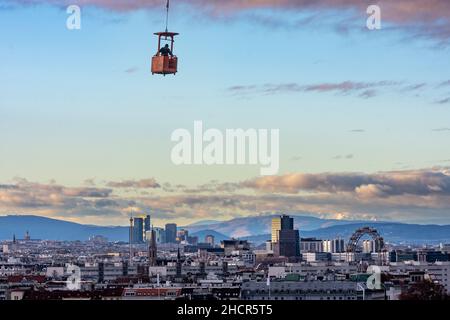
{"x": 182, "y": 235}
{"x": 147, "y": 228}
{"x": 269, "y": 245}
{"x": 160, "y": 235}
{"x": 285, "y": 240}
{"x": 179, "y": 264}
{"x": 131, "y": 241}
{"x": 193, "y": 240}
{"x": 138, "y": 230}
{"x": 152, "y": 249}
{"x": 147, "y": 223}
{"x": 230, "y": 246}
{"x": 311, "y": 245}
{"x": 209, "y": 239}
{"x": 283, "y": 222}
{"x": 171, "y": 233}
{"x": 333, "y": 246}
{"x": 289, "y": 243}
{"x": 276, "y": 226}
{"x": 368, "y": 246}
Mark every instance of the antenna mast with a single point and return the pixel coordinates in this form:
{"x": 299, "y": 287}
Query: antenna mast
{"x": 167, "y": 15}
{"x": 131, "y": 238}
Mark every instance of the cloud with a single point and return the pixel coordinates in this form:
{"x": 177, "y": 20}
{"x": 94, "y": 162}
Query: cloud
{"x": 357, "y": 130}
{"x": 443, "y": 101}
{"x": 131, "y": 70}
{"x": 105, "y": 203}
{"x": 89, "y": 182}
{"x": 408, "y": 195}
{"x": 400, "y": 11}
{"x": 7, "y": 186}
{"x": 417, "y": 18}
{"x": 415, "y": 87}
{"x": 364, "y": 89}
{"x": 428, "y": 20}
{"x": 366, "y": 94}
{"x": 38, "y": 196}
{"x": 444, "y": 83}
{"x": 56, "y": 189}
{"x": 213, "y": 187}
{"x": 418, "y": 182}
{"x": 339, "y": 157}
{"x": 347, "y": 86}
{"x": 441, "y": 129}
{"x": 86, "y": 192}
{"x": 135, "y": 184}
{"x": 361, "y": 89}
{"x": 368, "y": 203}
{"x": 373, "y": 190}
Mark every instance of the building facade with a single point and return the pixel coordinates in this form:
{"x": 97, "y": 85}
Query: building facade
{"x": 171, "y": 233}
{"x": 138, "y": 230}
{"x": 285, "y": 239}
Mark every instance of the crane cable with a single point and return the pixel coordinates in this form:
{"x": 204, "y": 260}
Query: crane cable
{"x": 167, "y": 15}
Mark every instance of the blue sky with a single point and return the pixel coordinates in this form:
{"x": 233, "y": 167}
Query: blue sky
{"x": 79, "y": 105}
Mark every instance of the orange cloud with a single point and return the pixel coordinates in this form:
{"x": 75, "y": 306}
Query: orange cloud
{"x": 425, "y": 19}
{"x": 411, "y": 195}
{"x": 399, "y": 11}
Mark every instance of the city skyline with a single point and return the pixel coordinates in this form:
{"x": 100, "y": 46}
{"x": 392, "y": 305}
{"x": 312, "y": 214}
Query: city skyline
{"x": 286, "y": 267}
{"x": 363, "y": 114}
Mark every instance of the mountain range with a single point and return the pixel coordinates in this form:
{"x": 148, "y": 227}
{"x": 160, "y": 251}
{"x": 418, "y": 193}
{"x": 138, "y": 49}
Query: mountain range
{"x": 256, "y": 225}
{"x": 255, "y": 229}
{"x": 52, "y": 229}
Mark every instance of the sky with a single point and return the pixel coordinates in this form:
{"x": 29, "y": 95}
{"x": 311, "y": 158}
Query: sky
{"x": 364, "y": 115}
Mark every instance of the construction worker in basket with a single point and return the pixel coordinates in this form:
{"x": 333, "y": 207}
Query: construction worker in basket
{"x": 165, "y": 51}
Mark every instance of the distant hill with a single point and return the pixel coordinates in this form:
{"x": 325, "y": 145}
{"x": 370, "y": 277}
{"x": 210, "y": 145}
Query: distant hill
{"x": 398, "y": 233}
{"x": 203, "y": 233}
{"x": 249, "y": 226}
{"x": 391, "y": 232}
{"x": 203, "y": 223}
{"x": 52, "y": 229}
{"x": 255, "y": 229}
